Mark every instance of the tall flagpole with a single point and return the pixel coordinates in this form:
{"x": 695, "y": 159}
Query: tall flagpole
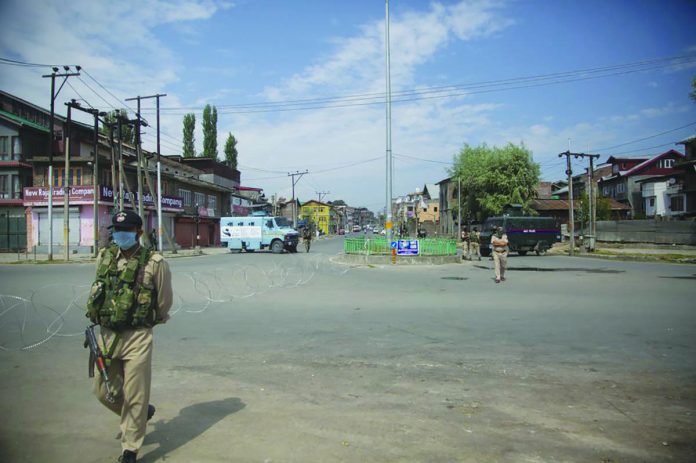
{"x": 389, "y": 224}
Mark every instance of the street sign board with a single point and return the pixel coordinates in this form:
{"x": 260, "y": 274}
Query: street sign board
{"x": 394, "y": 245}
{"x": 407, "y": 248}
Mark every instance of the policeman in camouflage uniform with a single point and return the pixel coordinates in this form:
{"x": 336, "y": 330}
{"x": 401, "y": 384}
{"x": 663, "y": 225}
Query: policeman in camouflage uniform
{"x": 132, "y": 293}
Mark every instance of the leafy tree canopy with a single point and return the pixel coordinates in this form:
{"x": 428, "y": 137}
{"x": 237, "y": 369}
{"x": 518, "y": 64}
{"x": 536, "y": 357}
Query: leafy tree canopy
{"x": 189, "y": 149}
{"x": 127, "y": 131}
{"x": 231, "y": 151}
{"x": 492, "y": 177}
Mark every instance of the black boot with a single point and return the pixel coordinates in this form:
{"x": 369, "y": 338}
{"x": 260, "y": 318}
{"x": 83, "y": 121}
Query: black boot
{"x": 150, "y": 411}
{"x": 127, "y": 457}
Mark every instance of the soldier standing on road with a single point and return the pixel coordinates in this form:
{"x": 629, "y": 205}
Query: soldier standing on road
{"x": 475, "y": 244}
{"x": 466, "y": 243}
{"x": 499, "y": 241}
{"x": 132, "y": 293}
{"x": 308, "y": 234}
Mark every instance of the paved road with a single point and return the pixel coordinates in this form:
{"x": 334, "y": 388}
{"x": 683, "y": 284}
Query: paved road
{"x": 291, "y": 358}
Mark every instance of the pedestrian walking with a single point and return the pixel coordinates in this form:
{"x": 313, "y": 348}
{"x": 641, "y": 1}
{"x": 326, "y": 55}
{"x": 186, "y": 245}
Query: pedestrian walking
{"x": 474, "y": 244}
{"x": 131, "y": 294}
{"x": 499, "y": 241}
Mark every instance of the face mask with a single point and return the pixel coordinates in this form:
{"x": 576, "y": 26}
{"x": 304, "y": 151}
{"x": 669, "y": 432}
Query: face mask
{"x": 125, "y": 239}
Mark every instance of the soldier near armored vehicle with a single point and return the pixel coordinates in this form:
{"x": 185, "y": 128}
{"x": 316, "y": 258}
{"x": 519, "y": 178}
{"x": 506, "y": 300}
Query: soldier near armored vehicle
{"x": 499, "y": 241}
{"x": 474, "y": 244}
{"x": 131, "y": 294}
{"x": 308, "y": 234}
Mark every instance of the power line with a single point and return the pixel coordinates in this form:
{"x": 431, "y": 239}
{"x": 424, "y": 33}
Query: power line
{"x": 422, "y": 159}
{"x": 641, "y": 149}
{"x": 646, "y": 138}
{"x": 441, "y": 92}
{"x": 12, "y": 62}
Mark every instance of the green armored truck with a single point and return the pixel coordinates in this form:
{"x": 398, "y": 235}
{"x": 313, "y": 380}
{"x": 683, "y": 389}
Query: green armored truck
{"x": 525, "y": 233}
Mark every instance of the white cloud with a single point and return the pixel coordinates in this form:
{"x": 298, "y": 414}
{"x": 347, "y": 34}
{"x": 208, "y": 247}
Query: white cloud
{"x": 117, "y": 42}
{"x": 113, "y": 41}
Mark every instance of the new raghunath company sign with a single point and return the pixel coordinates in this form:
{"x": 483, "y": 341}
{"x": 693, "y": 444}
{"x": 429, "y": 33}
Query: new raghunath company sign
{"x": 38, "y": 196}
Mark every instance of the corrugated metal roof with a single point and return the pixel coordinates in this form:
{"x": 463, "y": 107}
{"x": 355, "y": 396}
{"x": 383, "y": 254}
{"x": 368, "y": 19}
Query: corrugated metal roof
{"x": 22, "y": 121}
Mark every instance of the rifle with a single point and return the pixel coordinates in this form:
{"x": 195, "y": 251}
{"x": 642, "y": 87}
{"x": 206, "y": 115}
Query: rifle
{"x": 96, "y": 356}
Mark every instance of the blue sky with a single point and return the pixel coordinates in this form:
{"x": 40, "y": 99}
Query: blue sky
{"x": 230, "y": 53}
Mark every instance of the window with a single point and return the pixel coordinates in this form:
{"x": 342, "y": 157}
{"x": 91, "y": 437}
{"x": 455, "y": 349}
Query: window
{"x": 665, "y": 163}
{"x": 16, "y": 148}
{"x": 59, "y": 176}
{"x": 212, "y": 202}
{"x": 199, "y": 199}
{"x": 10, "y": 187}
{"x": 435, "y": 208}
{"x": 16, "y": 187}
{"x": 651, "y": 201}
{"x": 186, "y": 196}
{"x": 4, "y": 148}
{"x": 676, "y": 203}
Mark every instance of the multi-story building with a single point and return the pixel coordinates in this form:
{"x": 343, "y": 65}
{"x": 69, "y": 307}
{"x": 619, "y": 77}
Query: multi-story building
{"x": 22, "y": 135}
{"x": 196, "y": 192}
{"x": 317, "y": 212}
{"x": 624, "y": 182}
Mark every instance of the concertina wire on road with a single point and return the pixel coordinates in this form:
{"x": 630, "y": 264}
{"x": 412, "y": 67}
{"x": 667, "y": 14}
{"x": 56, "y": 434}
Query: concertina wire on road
{"x": 58, "y": 310}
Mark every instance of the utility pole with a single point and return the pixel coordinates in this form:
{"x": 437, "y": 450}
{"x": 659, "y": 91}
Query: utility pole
{"x": 119, "y": 122}
{"x": 459, "y": 207}
{"x": 66, "y": 186}
{"x": 569, "y": 172}
{"x": 95, "y": 169}
{"x": 51, "y": 139}
{"x": 322, "y": 193}
{"x": 389, "y": 224}
{"x": 593, "y": 204}
{"x": 159, "y": 168}
{"x": 139, "y": 159}
{"x": 299, "y": 175}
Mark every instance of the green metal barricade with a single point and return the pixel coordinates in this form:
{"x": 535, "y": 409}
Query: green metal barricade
{"x": 428, "y": 246}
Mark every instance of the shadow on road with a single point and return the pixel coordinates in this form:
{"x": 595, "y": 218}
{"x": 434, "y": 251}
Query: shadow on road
{"x": 191, "y": 422}
{"x": 556, "y": 269}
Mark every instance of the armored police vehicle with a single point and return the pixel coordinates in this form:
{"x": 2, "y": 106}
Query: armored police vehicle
{"x": 258, "y": 232}
{"x": 525, "y": 233}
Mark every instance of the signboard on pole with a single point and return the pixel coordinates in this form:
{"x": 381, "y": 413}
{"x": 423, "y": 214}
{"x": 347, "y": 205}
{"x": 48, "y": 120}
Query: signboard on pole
{"x": 407, "y": 248}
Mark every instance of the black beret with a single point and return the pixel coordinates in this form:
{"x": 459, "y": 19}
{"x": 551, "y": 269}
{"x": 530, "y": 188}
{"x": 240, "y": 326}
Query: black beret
{"x": 126, "y": 219}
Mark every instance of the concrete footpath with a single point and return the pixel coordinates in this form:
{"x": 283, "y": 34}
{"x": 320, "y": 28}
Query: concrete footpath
{"x": 81, "y": 258}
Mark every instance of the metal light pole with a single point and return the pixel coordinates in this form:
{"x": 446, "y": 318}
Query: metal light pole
{"x": 389, "y": 224}
{"x": 51, "y": 126}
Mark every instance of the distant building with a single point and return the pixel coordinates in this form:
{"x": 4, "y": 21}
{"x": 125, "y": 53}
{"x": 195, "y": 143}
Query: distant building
{"x": 317, "y": 212}
{"x": 624, "y": 182}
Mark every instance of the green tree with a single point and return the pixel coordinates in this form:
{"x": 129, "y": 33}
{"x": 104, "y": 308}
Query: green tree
{"x": 492, "y": 177}
{"x": 189, "y": 138}
{"x": 210, "y": 132}
{"x": 127, "y": 132}
{"x": 231, "y": 151}
{"x": 603, "y": 208}
{"x": 693, "y": 89}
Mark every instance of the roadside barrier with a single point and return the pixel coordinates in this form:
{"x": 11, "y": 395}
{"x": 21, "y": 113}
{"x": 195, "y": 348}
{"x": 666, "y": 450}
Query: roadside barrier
{"x": 58, "y": 310}
{"x": 380, "y": 246}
